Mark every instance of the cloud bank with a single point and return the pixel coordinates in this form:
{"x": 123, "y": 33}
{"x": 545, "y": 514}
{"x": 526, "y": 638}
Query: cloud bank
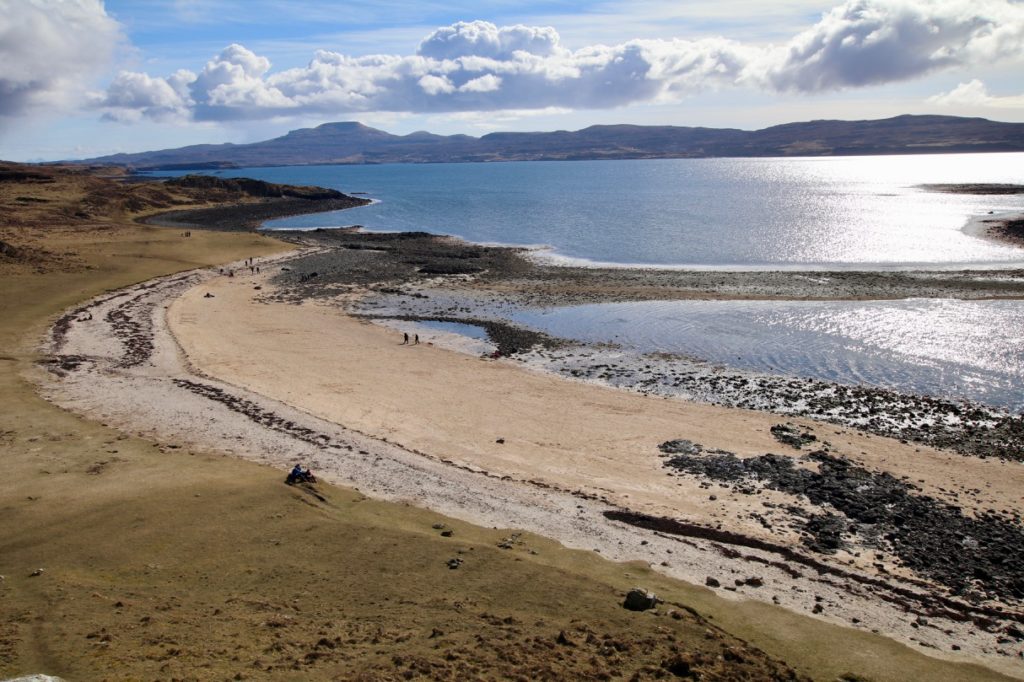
{"x": 477, "y": 66}
{"x": 48, "y": 48}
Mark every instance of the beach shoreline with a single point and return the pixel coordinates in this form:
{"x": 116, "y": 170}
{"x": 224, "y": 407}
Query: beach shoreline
{"x": 144, "y": 360}
{"x": 235, "y": 307}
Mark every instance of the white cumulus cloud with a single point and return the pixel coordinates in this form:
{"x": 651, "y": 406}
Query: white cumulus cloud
{"x": 868, "y": 42}
{"x": 48, "y": 48}
{"x": 975, "y": 94}
{"x": 484, "y": 39}
{"x": 477, "y": 66}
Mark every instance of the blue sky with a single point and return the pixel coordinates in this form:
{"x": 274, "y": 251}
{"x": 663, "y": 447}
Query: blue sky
{"x": 81, "y": 78}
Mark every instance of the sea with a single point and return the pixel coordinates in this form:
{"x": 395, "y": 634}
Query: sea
{"x": 827, "y": 213}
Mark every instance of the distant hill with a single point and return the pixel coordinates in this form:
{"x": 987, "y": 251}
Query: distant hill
{"x": 355, "y": 143}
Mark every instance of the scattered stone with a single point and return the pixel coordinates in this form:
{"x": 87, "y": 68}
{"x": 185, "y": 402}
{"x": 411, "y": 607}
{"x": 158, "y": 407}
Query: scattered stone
{"x": 681, "y": 446}
{"x": 447, "y": 533}
{"x": 712, "y": 582}
{"x": 454, "y": 563}
{"x": 36, "y": 573}
{"x": 922, "y": 531}
{"x": 790, "y": 434}
{"x": 500, "y": 441}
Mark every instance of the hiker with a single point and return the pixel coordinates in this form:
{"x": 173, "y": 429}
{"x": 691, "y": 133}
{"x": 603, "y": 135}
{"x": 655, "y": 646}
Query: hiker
{"x": 298, "y": 475}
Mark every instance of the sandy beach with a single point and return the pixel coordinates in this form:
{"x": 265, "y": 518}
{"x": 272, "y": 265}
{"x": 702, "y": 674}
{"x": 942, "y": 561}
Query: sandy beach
{"x": 139, "y": 557}
{"x": 446, "y": 478}
{"x": 487, "y": 442}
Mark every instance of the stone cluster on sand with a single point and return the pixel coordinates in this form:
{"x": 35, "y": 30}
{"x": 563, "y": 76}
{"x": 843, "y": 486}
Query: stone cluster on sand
{"x": 867, "y": 511}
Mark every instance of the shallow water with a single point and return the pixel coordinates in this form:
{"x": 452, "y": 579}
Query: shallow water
{"x": 803, "y": 212}
{"x": 838, "y": 212}
{"x": 472, "y": 331}
{"x": 948, "y": 348}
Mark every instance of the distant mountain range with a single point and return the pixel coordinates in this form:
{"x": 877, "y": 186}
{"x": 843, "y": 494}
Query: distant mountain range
{"x": 355, "y": 143}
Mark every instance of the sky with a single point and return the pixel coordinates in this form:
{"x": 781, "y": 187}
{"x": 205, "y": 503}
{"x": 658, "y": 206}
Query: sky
{"x": 85, "y": 78}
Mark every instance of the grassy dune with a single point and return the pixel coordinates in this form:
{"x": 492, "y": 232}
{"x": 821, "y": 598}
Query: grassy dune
{"x": 159, "y": 562}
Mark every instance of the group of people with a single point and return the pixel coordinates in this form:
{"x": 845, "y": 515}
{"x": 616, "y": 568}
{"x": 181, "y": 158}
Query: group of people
{"x": 300, "y": 475}
{"x": 405, "y": 339}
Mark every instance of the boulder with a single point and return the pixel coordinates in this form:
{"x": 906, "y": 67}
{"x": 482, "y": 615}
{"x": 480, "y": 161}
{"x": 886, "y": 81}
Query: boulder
{"x": 639, "y": 599}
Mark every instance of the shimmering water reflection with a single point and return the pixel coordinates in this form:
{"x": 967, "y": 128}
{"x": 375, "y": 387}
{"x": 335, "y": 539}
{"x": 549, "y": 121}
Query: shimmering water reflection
{"x": 808, "y": 212}
{"x": 948, "y": 348}
{"x": 473, "y": 331}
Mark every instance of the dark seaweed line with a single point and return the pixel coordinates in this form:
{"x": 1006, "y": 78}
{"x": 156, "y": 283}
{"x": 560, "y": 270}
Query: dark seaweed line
{"x": 985, "y": 618}
{"x": 259, "y": 415}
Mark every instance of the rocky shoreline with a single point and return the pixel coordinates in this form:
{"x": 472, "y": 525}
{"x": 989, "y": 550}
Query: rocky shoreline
{"x": 267, "y": 201}
{"x": 875, "y": 510}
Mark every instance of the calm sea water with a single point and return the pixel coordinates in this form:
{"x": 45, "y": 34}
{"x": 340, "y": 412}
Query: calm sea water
{"x": 832, "y": 212}
{"x": 948, "y": 348}
{"x": 740, "y": 213}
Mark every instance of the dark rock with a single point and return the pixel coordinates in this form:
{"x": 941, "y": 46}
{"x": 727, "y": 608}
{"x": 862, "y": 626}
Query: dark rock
{"x": 789, "y": 434}
{"x": 681, "y": 447}
{"x": 639, "y": 599}
{"x": 678, "y": 666}
{"x": 922, "y": 531}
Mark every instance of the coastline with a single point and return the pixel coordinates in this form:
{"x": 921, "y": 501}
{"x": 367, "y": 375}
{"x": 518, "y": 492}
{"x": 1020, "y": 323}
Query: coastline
{"x": 344, "y": 354}
{"x": 502, "y": 491}
{"x": 140, "y": 554}
{"x": 1004, "y": 228}
{"x": 248, "y": 217}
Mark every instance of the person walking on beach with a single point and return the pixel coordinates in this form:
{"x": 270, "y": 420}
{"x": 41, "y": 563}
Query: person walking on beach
{"x": 417, "y": 342}
{"x": 405, "y": 338}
